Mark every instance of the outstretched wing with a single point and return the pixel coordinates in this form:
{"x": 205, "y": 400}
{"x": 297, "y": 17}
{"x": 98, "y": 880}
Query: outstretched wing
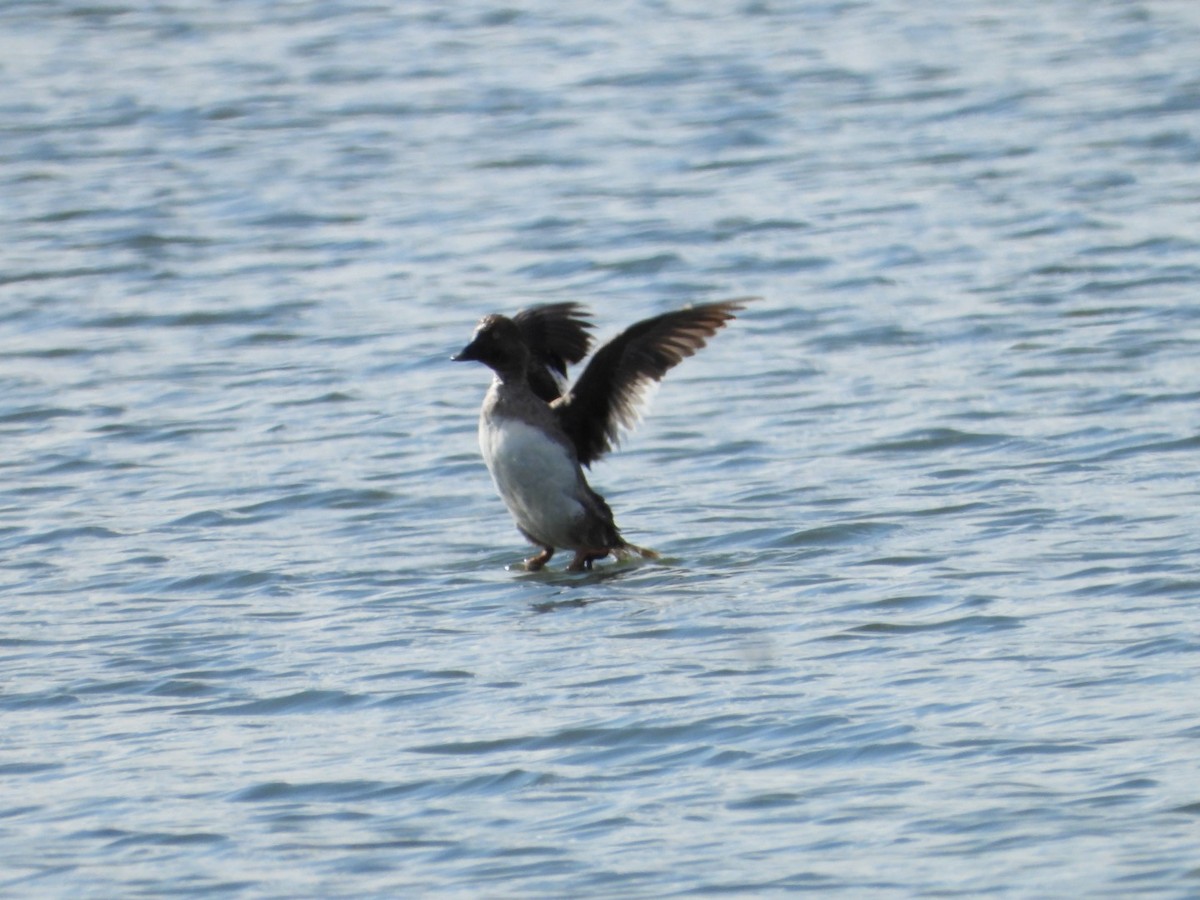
{"x": 557, "y": 336}
{"x": 606, "y": 397}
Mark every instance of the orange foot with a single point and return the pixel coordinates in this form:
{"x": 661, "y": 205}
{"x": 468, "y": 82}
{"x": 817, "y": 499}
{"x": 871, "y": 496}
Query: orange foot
{"x": 583, "y": 560}
{"x": 535, "y": 563}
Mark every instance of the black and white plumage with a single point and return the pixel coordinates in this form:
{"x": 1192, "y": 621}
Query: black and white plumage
{"x": 535, "y": 437}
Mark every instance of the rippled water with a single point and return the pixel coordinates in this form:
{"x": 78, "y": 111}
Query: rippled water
{"x": 926, "y": 621}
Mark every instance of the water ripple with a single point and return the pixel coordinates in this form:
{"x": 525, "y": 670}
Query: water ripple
{"x": 927, "y": 509}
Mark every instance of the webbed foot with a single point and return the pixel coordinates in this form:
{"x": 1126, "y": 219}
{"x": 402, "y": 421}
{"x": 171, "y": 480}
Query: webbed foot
{"x": 535, "y": 563}
{"x": 583, "y": 560}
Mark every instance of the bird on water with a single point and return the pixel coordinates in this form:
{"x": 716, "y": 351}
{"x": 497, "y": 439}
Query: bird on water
{"x": 536, "y": 437}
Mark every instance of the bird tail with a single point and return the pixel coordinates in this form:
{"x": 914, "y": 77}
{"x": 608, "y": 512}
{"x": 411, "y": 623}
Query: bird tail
{"x": 626, "y": 550}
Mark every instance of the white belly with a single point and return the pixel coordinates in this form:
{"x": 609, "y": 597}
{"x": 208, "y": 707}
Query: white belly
{"x": 536, "y": 477}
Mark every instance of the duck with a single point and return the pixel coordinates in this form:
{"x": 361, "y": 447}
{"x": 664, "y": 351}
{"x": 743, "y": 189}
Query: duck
{"x": 537, "y": 435}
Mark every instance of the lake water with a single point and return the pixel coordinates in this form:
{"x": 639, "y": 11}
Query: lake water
{"x": 926, "y": 621}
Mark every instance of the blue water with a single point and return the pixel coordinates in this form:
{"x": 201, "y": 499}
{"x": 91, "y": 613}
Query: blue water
{"x": 926, "y": 622}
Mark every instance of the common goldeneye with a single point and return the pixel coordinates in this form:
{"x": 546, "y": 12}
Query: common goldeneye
{"x": 535, "y": 438}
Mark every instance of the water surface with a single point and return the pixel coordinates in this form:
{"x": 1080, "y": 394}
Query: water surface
{"x": 925, "y": 622}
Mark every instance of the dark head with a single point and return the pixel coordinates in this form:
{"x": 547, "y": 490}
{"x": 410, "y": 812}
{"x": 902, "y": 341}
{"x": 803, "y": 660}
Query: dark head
{"x": 497, "y": 343}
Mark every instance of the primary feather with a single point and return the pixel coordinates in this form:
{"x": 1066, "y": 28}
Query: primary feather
{"x": 557, "y": 336}
{"x": 606, "y": 398}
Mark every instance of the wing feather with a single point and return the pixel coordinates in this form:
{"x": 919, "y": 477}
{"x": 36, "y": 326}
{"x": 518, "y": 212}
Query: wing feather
{"x": 557, "y": 336}
{"x": 606, "y": 398}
